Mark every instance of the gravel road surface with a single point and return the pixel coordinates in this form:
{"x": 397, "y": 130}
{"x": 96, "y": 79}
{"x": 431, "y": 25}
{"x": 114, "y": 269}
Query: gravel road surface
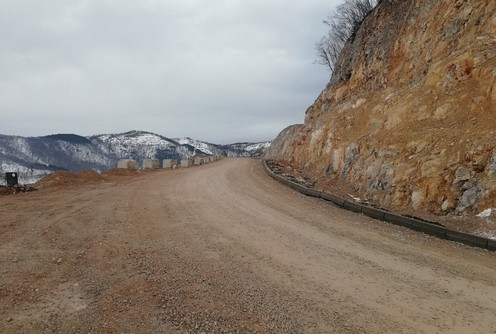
{"x": 223, "y": 248}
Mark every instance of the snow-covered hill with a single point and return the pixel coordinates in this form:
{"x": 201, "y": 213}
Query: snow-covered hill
{"x": 252, "y": 149}
{"x": 34, "y": 157}
{"x": 139, "y": 145}
{"x": 231, "y": 150}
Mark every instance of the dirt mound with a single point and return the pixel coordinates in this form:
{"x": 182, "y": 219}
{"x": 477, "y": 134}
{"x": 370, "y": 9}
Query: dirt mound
{"x": 15, "y": 190}
{"x": 119, "y": 172}
{"x": 64, "y": 178}
{"x": 89, "y": 175}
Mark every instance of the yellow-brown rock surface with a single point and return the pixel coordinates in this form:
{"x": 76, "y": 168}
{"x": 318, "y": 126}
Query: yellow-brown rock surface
{"x": 408, "y": 119}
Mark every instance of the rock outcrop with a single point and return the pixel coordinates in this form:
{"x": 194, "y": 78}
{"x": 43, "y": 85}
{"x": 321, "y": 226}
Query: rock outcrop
{"x": 408, "y": 119}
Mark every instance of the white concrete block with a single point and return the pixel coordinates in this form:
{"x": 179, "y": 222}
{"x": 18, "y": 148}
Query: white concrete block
{"x": 186, "y": 163}
{"x": 151, "y": 164}
{"x": 169, "y": 163}
{"x": 127, "y": 164}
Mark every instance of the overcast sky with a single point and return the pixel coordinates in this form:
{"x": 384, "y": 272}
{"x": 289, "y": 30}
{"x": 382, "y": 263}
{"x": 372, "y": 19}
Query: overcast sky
{"x": 216, "y": 70}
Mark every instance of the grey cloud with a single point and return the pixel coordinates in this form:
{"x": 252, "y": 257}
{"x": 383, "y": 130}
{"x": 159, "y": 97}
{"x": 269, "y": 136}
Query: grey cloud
{"x": 244, "y": 68}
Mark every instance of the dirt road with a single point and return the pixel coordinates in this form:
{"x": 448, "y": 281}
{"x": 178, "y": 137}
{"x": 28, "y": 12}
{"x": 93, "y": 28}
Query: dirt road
{"x": 223, "y": 248}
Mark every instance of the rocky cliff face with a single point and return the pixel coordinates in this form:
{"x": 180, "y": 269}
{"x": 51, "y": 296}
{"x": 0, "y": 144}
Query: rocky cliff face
{"x": 408, "y": 119}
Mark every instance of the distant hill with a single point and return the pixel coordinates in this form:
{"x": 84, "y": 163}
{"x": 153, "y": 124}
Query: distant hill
{"x": 35, "y": 157}
{"x": 231, "y": 150}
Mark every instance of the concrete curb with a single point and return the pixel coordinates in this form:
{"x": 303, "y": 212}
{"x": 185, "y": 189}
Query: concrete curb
{"x": 333, "y": 198}
{"x": 311, "y": 192}
{"x": 427, "y": 228}
{"x": 295, "y": 186}
{"x": 397, "y": 220}
{"x": 491, "y": 245}
{"x": 411, "y": 223}
{"x": 352, "y": 206}
{"x": 373, "y": 212}
{"x": 472, "y": 240}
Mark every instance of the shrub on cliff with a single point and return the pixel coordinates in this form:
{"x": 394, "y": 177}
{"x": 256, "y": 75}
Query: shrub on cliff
{"x": 343, "y": 24}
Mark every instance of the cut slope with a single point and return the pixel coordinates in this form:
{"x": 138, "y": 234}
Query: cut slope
{"x": 408, "y": 119}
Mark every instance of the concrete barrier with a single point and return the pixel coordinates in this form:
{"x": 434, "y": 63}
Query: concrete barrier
{"x": 491, "y": 245}
{"x": 352, "y": 206}
{"x": 373, "y": 212}
{"x": 151, "y": 164}
{"x": 197, "y": 161}
{"x": 408, "y": 222}
{"x": 186, "y": 163}
{"x": 169, "y": 163}
{"x": 127, "y": 164}
{"x": 333, "y": 198}
{"x": 471, "y": 240}
{"x": 428, "y": 228}
{"x": 311, "y": 192}
{"x": 295, "y": 186}
{"x": 397, "y": 219}
{"x": 271, "y": 173}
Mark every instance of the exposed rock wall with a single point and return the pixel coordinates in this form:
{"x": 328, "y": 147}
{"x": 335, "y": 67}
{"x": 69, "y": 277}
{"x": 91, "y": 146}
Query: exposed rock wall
{"x": 409, "y": 117}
